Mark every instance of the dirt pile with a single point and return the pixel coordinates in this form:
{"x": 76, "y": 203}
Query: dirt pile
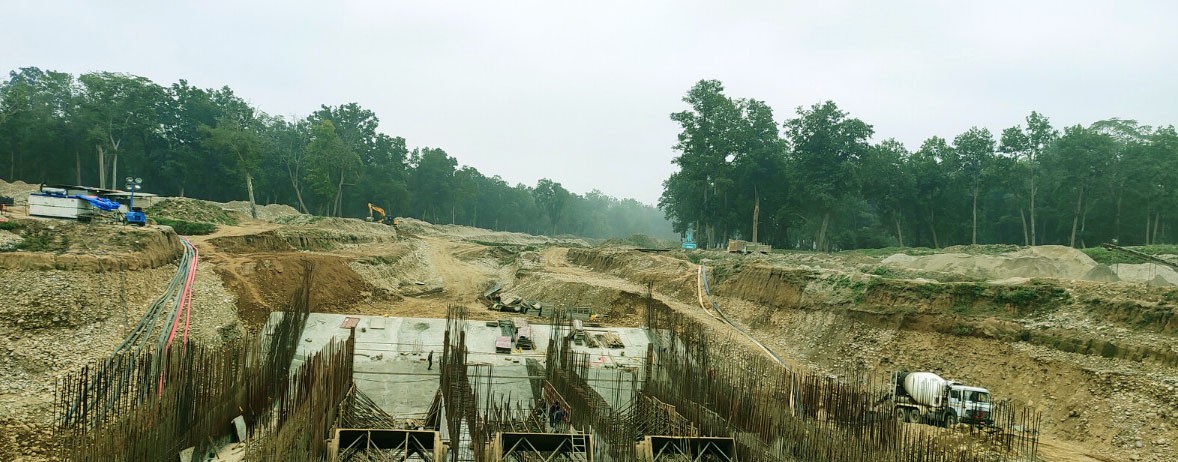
{"x": 268, "y": 212}
{"x": 18, "y": 190}
{"x": 179, "y": 208}
{"x": 1048, "y": 261}
{"x": 1148, "y": 273}
{"x": 468, "y": 233}
{"x": 266, "y": 282}
{"x": 9, "y": 240}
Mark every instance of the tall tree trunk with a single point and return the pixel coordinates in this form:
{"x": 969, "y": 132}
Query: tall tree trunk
{"x": 294, "y": 182}
{"x": 114, "y": 171}
{"x": 932, "y": 226}
{"x": 756, "y": 212}
{"x": 1117, "y": 220}
{"x": 1034, "y": 241}
{"x": 339, "y": 192}
{"x": 1076, "y": 217}
{"x": 1083, "y": 226}
{"x": 974, "y": 240}
{"x": 101, "y": 167}
{"x": 249, "y": 187}
{"x": 1147, "y": 218}
{"x": 1157, "y": 220}
{"x": 821, "y": 241}
{"x": 899, "y": 232}
{"x": 1022, "y": 213}
{"x": 78, "y": 166}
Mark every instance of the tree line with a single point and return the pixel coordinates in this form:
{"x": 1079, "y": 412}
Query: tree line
{"x": 211, "y": 144}
{"x": 817, "y": 180}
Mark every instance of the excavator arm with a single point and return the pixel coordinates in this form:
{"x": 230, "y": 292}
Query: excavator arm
{"x": 373, "y": 208}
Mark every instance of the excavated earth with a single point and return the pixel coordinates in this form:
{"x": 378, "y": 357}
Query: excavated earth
{"x": 1098, "y": 359}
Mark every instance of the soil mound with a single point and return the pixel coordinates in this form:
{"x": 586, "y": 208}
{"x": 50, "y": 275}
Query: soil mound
{"x": 1149, "y": 273}
{"x": 268, "y": 212}
{"x": 1048, "y": 261}
{"x": 480, "y": 235}
{"x": 18, "y": 190}
{"x": 36, "y": 244}
{"x": 180, "y": 208}
{"x": 266, "y": 283}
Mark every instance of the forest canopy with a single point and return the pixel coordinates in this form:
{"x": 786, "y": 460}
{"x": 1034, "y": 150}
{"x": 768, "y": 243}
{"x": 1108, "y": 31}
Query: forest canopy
{"x": 816, "y": 180}
{"x": 212, "y": 144}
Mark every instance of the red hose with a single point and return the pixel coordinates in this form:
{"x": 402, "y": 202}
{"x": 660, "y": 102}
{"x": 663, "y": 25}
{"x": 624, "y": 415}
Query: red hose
{"x": 185, "y": 298}
{"x": 185, "y": 305}
{"x": 188, "y": 299}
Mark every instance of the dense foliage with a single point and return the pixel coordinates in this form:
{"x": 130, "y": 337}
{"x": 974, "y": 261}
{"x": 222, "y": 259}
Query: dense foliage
{"x": 211, "y": 144}
{"x": 817, "y": 181}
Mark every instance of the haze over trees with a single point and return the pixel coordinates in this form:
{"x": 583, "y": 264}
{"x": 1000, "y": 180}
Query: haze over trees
{"x": 211, "y": 144}
{"x": 815, "y": 180}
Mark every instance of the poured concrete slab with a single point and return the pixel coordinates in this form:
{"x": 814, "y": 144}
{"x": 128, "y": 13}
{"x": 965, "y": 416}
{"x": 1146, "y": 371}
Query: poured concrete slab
{"x": 391, "y": 365}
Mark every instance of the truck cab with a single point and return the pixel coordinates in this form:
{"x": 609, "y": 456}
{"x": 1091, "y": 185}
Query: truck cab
{"x": 969, "y": 404}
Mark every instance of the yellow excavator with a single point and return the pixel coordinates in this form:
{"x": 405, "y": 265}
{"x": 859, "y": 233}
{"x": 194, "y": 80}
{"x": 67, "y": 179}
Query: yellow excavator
{"x": 384, "y": 217}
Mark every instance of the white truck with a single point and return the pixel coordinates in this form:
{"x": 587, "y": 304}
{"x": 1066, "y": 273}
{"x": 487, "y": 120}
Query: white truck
{"x": 925, "y": 397}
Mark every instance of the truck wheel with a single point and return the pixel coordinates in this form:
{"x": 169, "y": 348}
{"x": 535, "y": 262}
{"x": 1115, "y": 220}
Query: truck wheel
{"x": 950, "y": 419}
{"x": 899, "y": 414}
{"x": 912, "y": 416}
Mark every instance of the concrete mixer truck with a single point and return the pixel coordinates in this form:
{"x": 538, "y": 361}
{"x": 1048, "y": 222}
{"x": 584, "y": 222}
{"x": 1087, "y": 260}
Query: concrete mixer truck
{"x": 925, "y": 397}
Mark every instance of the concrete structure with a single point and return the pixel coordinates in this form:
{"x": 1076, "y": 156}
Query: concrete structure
{"x": 392, "y": 368}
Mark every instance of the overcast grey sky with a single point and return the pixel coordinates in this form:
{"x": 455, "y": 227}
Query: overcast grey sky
{"x": 581, "y": 92}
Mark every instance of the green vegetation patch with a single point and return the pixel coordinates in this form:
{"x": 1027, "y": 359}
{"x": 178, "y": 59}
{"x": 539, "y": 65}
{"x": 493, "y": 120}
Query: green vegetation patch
{"x": 40, "y": 239}
{"x": 885, "y": 252}
{"x": 966, "y": 298}
{"x": 187, "y": 228}
{"x": 641, "y": 241}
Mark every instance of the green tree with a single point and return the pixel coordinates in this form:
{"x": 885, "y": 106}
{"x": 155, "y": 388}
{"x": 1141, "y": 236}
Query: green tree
{"x": 887, "y": 184}
{"x": 759, "y": 163}
{"x": 241, "y": 144}
{"x": 118, "y": 109}
{"x": 975, "y": 151}
{"x": 432, "y": 181}
{"x": 1029, "y": 144}
{"x": 933, "y": 181}
{"x": 331, "y": 162}
{"x": 553, "y": 199}
{"x": 1077, "y": 161}
{"x": 698, "y": 192}
{"x": 825, "y": 147}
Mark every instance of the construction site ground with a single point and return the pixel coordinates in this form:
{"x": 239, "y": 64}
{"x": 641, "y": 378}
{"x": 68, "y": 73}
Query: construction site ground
{"x": 1044, "y": 327}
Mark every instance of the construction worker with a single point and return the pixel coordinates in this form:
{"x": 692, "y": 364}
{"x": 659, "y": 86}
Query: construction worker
{"x": 430, "y": 360}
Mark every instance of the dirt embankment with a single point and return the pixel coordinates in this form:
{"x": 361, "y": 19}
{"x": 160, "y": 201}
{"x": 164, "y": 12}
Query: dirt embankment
{"x": 69, "y": 300}
{"x": 265, "y": 282}
{"x": 70, "y": 246}
{"x": 1099, "y": 360}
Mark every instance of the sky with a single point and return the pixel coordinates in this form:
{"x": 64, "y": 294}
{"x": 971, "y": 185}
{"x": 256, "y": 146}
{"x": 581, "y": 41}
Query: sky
{"x": 581, "y": 92}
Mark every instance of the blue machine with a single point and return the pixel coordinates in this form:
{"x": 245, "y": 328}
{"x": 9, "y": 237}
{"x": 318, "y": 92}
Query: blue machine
{"x": 689, "y": 241}
{"x": 135, "y": 215}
